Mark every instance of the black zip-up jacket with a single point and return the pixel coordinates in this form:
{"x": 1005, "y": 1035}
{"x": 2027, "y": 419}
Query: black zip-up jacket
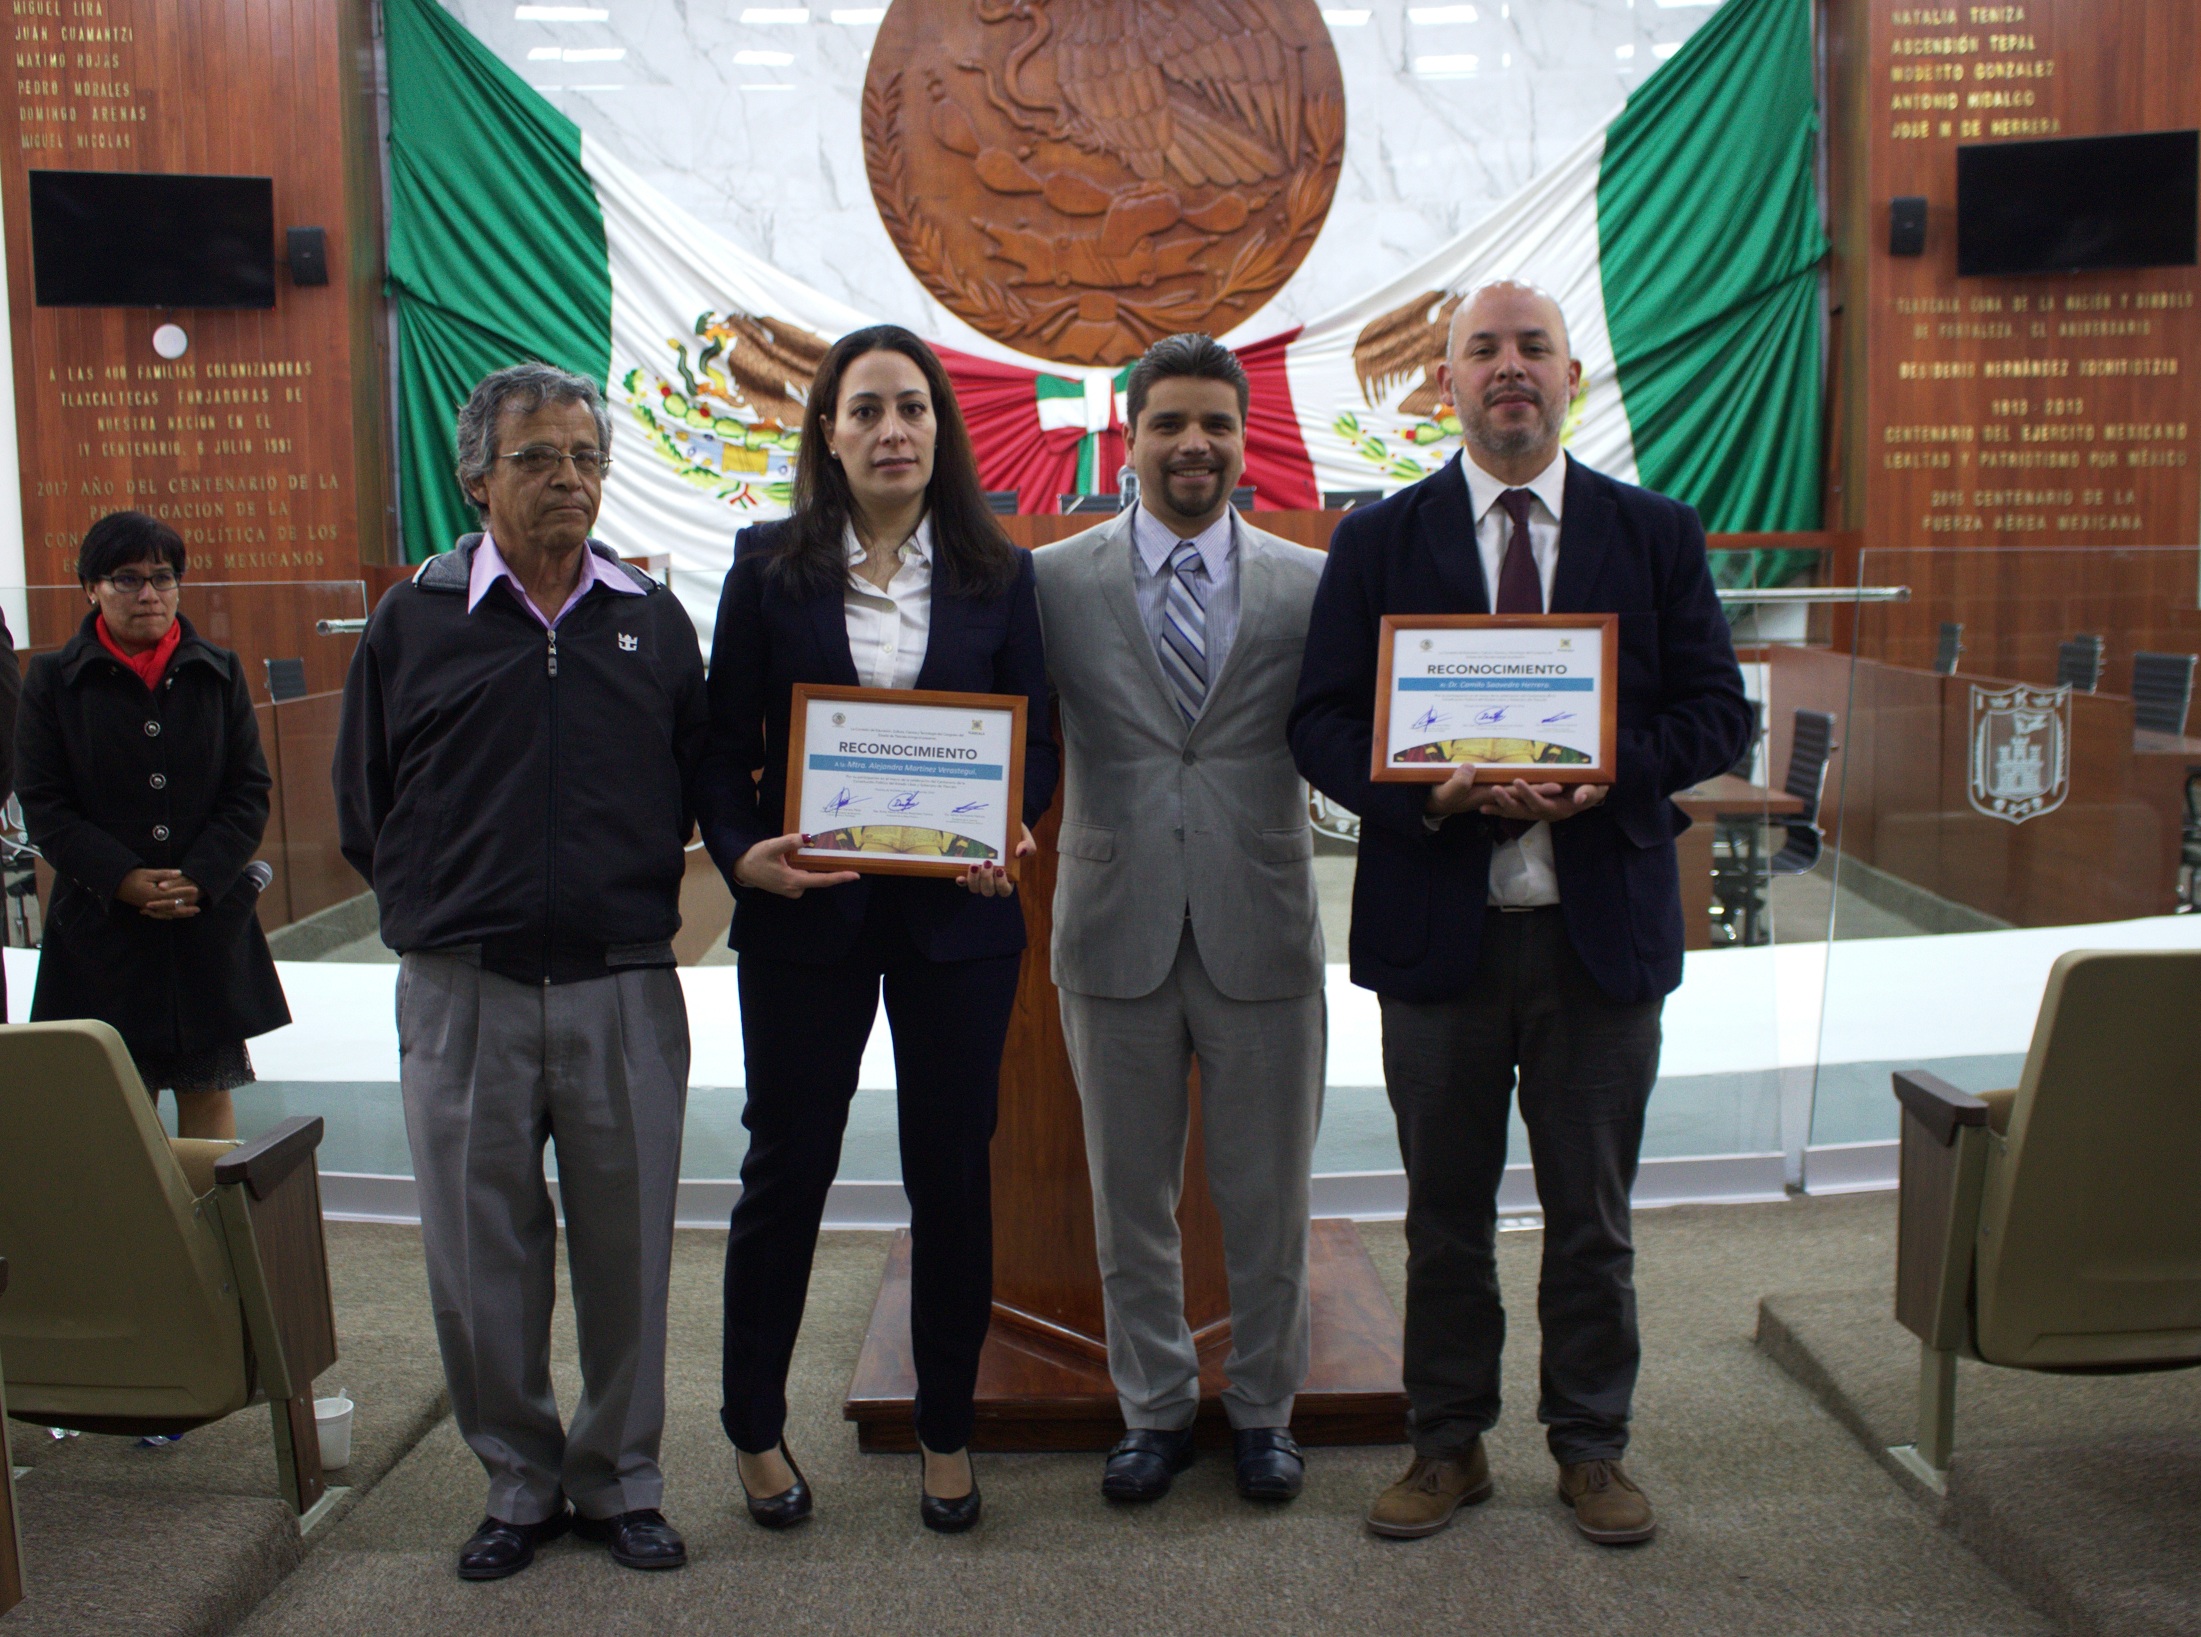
{"x": 519, "y": 789}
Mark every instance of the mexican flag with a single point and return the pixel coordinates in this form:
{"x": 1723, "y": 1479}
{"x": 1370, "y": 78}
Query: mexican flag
{"x": 1682, "y": 239}
{"x": 1683, "y": 242}
{"x": 514, "y": 237}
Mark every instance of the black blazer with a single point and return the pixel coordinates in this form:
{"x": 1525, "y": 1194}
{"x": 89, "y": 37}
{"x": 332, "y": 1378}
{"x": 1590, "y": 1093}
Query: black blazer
{"x": 115, "y": 778}
{"x": 767, "y": 640}
{"x": 1418, "y": 896}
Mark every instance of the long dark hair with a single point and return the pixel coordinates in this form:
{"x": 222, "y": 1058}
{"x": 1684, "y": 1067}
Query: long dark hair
{"x": 970, "y": 553}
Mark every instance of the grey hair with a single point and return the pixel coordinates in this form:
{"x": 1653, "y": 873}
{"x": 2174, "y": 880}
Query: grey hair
{"x": 525, "y": 387}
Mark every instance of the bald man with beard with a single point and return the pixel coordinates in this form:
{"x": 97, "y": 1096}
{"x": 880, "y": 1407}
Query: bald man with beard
{"x": 1522, "y": 933}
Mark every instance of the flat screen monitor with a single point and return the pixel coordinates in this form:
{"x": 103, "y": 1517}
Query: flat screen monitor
{"x": 124, "y": 239}
{"x": 2077, "y": 203}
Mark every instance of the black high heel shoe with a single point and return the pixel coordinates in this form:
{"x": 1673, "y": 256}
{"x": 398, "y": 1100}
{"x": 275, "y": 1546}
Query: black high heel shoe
{"x": 784, "y": 1510}
{"x": 948, "y": 1517}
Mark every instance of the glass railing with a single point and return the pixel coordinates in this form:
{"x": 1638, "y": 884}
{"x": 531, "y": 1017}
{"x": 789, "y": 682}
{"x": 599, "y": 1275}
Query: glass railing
{"x": 2014, "y": 780}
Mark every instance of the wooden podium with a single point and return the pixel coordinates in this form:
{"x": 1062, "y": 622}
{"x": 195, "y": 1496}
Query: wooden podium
{"x": 1043, "y": 1379}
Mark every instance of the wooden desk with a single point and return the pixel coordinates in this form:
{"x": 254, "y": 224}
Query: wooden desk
{"x": 11, "y": 1541}
{"x": 1723, "y": 796}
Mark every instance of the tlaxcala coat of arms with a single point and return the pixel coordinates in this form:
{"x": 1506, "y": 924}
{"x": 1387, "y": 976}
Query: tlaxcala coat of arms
{"x": 2021, "y": 751}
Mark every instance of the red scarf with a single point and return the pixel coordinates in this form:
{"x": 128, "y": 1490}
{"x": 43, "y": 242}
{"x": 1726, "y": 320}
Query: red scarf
{"x": 149, "y": 664}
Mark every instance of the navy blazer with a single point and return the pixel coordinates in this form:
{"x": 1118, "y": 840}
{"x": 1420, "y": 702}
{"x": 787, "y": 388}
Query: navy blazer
{"x": 1418, "y": 895}
{"x": 768, "y": 639}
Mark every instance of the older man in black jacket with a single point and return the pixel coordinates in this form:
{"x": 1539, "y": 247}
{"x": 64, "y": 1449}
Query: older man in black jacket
{"x": 524, "y": 749}
{"x": 1520, "y": 929}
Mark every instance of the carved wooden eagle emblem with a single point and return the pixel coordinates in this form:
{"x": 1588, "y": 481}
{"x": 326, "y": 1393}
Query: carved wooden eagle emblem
{"x": 1078, "y": 177}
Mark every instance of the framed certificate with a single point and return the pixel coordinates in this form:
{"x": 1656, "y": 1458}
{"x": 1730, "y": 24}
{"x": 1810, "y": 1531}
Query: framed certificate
{"x": 900, "y": 782}
{"x": 1521, "y": 696}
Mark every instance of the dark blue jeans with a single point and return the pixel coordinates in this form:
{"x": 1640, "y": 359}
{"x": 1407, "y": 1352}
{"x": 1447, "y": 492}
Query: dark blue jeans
{"x": 803, "y": 1031}
{"x": 1585, "y": 1065}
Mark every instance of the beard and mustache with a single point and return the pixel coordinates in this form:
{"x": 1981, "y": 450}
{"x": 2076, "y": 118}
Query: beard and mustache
{"x": 1508, "y": 441}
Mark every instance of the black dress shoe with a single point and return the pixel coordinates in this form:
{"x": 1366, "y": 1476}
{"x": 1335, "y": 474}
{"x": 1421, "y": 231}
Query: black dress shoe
{"x": 947, "y": 1517}
{"x": 784, "y": 1510}
{"x": 499, "y": 1548}
{"x": 640, "y": 1540}
{"x": 1270, "y": 1467}
{"x": 1143, "y": 1461}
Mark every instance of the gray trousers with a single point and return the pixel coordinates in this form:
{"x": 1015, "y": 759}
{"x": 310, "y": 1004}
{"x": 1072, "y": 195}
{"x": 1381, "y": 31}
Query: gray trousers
{"x": 1586, "y": 1063}
{"x": 491, "y": 1070}
{"x": 1261, "y": 1076}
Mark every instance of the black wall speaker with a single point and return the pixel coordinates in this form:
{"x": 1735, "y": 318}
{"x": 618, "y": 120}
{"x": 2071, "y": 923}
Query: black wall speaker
{"x": 1907, "y": 225}
{"x": 308, "y": 255}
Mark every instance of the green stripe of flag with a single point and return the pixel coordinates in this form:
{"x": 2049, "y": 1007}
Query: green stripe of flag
{"x": 1709, "y": 244}
{"x": 497, "y": 249}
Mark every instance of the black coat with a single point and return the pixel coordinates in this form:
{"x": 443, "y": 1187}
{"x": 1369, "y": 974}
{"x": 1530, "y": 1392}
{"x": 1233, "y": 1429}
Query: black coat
{"x": 768, "y": 639}
{"x": 114, "y": 778}
{"x": 500, "y": 782}
{"x": 1418, "y": 895}
{"x": 11, "y": 684}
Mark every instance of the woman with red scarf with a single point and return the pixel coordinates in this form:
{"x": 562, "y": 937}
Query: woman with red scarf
{"x": 142, "y": 783}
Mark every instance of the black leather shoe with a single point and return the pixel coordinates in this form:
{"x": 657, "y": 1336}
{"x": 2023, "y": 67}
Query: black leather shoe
{"x": 948, "y": 1517}
{"x": 640, "y": 1540}
{"x": 498, "y": 1548}
{"x": 1270, "y": 1467}
{"x": 1143, "y": 1461}
{"x": 784, "y": 1510}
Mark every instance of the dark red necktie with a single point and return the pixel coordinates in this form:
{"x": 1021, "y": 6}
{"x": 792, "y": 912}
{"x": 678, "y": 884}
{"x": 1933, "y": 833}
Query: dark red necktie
{"x": 1520, "y": 587}
{"x": 1520, "y": 591}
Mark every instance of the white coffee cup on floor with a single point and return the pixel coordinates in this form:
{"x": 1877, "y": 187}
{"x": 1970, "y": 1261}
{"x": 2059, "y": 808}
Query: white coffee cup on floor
{"x": 332, "y": 1419}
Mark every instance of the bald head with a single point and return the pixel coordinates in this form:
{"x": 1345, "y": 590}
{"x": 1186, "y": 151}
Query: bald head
{"x": 1508, "y": 375}
{"x": 1507, "y": 306}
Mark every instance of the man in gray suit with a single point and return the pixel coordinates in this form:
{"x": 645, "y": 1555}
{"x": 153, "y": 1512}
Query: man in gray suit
{"x": 1185, "y": 919}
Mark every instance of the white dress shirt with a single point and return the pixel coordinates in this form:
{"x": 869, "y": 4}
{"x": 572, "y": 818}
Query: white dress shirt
{"x": 1522, "y": 874}
{"x": 1154, "y": 542}
{"x": 888, "y": 630}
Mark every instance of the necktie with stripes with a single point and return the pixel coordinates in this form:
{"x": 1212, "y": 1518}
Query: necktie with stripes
{"x": 1183, "y": 638}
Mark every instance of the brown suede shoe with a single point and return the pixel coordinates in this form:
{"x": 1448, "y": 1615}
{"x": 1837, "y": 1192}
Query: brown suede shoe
{"x": 1435, "y": 1487}
{"x": 1608, "y": 1507}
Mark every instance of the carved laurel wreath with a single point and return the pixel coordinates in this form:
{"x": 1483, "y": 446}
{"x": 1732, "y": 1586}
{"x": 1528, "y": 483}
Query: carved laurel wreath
{"x": 988, "y": 305}
{"x": 1261, "y": 263}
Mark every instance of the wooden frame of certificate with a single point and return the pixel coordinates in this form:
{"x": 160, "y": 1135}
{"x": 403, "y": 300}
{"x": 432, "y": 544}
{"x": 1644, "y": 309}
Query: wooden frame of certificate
{"x": 1521, "y": 696}
{"x": 898, "y": 781}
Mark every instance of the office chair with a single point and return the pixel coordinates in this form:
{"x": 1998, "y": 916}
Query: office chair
{"x": 2162, "y": 689}
{"x": 2079, "y": 663}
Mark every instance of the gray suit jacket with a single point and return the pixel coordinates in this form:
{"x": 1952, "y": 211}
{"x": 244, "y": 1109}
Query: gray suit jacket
{"x": 1160, "y": 819}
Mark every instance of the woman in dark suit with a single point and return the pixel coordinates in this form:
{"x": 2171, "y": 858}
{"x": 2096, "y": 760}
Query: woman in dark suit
{"x": 891, "y": 572}
{"x": 143, "y": 785}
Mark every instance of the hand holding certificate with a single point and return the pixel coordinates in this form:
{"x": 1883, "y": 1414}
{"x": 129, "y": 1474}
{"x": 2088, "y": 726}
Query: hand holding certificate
{"x": 906, "y": 782}
{"x": 1528, "y": 697}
